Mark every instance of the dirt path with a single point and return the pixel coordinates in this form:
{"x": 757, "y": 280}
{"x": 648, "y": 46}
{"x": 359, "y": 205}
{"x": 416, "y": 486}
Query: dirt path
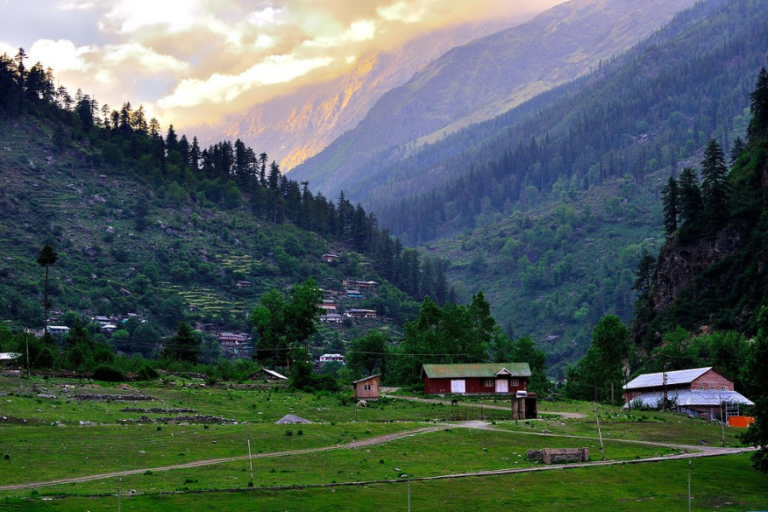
{"x": 210, "y": 462}
{"x": 483, "y": 425}
{"x": 568, "y": 415}
{"x": 702, "y": 451}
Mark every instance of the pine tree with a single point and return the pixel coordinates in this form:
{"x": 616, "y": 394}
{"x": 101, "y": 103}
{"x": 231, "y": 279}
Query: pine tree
{"x": 737, "y": 150}
{"x": 760, "y": 102}
{"x": 714, "y": 184}
{"x": 194, "y": 155}
{"x": 756, "y": 373}
{"x": 45, "y": 258}
{"x": 185, "y": 346}
{"x": 644, "y": 273}
{"x": 689, "y": 195}
{"x": 171, "y": 140}
{"x": 669, "y": 198}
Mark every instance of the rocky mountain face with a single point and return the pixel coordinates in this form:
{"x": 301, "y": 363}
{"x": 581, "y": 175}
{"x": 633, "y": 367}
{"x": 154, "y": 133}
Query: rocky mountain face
{"x": 715, "y": 278}
{"x": 680, "y": 263}
{"x": 486, "y": 77}
{"x": 298, "y": 126}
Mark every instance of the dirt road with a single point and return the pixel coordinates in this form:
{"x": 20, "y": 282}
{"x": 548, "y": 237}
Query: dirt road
{"x": 210, "y": 462}
{"x": 569, "y": 415}
{"x": 703, "y": 451}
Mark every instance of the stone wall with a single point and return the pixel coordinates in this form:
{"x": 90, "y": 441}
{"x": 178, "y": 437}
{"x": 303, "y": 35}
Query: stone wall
{"x": 558, "y": 455}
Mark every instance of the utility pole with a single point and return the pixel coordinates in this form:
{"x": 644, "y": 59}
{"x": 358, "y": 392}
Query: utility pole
{"x": 689, "y": 486}
{"x": 599, "y": 432}
{"x": 250, "y": 458}
{"x": 118, "y": 493}
{"x": 409, "y": 492}
{"x": 664, "y": 380}
{"x": 722, "y": 420}
{"x": 26, "y": 339}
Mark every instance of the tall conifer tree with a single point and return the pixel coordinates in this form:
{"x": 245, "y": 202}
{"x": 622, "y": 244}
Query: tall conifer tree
{"x": 714, "y": 184}
{"x": 689, "y": 195}
{"x": 669, "y": 197}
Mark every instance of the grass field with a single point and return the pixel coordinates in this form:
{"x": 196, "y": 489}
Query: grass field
{"x": 240, "y": 404}
{"x": 41, "y": 451}
{"x": 422, "y": 455}
{"x": 722, "y": 483}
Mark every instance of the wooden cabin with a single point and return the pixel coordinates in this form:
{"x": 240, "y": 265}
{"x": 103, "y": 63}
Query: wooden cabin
{"x": 367, "y": 388}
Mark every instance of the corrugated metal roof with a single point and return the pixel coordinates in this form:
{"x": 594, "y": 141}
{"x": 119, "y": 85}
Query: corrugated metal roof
{"x": 694, "y": 398}
{"x": 9, "y": 356}
{"x": 367, "y": 378}
{"x": 275, "y": 374}
{"x": 652, "y": 380}
{"x": 487, "y": 370}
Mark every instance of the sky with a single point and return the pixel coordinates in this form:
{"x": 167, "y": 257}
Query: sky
{"x": 195, "y": 61}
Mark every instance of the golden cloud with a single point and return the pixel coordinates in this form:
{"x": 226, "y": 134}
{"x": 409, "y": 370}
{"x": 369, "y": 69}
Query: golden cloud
{"x": 192, "y": 60}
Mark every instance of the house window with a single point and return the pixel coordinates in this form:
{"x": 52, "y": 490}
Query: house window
{"x": 514, "y": 382}
{"x": 488, "y": 383}
{"x": 367, "y": 387}
{"x": 701, "y": 387}
{"x": 712, "y": 387}
{"x": 723, "y": 388}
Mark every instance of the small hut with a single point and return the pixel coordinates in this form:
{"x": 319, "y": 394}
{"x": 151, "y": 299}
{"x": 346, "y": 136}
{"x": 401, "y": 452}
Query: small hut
{"x": 367, "y": 388}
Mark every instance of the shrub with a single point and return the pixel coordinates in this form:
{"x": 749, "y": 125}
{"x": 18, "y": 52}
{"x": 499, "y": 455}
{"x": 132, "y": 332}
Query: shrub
{"x": 148, "y": 373}
{"x": 108, "y": 374}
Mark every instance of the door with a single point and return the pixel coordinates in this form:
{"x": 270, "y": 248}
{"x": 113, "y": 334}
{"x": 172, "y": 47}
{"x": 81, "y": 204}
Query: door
{"x": 457, "y": 386}
{"x": 502, "y": 386}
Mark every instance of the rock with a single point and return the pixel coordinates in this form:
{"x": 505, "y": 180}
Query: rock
{"x": 679, "y": 264}
{"x": 291, "y": 419}
{"x": 32, "y": 165}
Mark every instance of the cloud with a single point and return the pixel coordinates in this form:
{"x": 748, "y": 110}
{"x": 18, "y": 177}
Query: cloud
{"x": 358, "y": 31}
{"x": 225, "y": 88}
{"x": 62, "y": 55}
{"x": 400, "y": 11}
{"x": 195, "y": 60}
{"x": 129, "y": 16}
{"x": 77, "y": 5}
{"x": 268, "y": 16}
{"x": 7, "y": 48}
{"x": 145, "y": 60}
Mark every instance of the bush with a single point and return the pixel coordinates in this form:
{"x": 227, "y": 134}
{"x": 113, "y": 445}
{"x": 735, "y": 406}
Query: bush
{"x": 108, "y": 374}
{"x": 148, "y": 373}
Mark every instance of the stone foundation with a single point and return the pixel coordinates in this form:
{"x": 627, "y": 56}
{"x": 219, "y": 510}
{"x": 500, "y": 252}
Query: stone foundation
{"x": 558, "y": 455}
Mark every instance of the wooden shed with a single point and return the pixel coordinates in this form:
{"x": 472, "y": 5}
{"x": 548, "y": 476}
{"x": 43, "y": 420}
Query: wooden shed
{"x": 367, "y": 388}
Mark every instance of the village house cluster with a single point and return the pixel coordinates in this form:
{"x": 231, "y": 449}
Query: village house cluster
{"x": 353, "y": 291}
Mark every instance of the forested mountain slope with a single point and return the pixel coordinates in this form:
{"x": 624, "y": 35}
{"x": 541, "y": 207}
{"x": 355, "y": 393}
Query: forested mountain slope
{"x": 154, "y": 225}
{"x": 484, "y": 78}
{"x": 553, "y": 271}
{"x": 712, "y": 271}
{"x": 652, "y": 109}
